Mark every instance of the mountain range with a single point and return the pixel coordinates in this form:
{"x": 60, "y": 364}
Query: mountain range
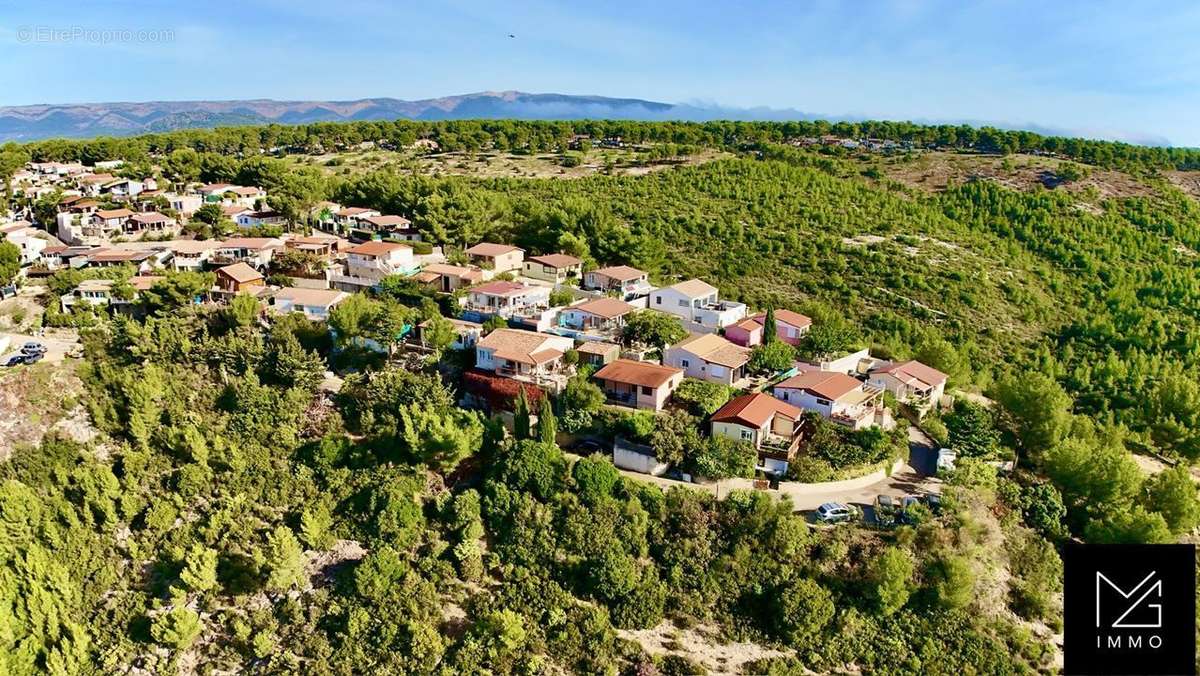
{"x": 86, "y": 120}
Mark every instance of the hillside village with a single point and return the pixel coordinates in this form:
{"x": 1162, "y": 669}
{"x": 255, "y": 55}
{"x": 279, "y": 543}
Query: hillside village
{"x": 528, "y": 321}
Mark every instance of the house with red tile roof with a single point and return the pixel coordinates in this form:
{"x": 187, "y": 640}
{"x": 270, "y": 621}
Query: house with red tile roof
{"x": 772, "y": 426}
{"x": 790, "y": 327}
{"x": 836, "y": 396}
{"x": 910, "y": 382}
{"x": 638, "y": 384}
{"x": 596, "y": 315}
{"x": 524, "y": 355}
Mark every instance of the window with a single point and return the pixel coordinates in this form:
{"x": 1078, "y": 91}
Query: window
{"x": 785, "y": 395}
{"x": 747, "y": 435}
{"x": 683, "y": 303}
{"x": 658, "y": 300}
{"x": 647, "y": 391}
{"x": 823, "y": 402}
{"x": 684, "y": 363}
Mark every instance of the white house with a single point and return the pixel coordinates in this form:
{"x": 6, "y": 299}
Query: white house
{"x": 255, "y": 251}
{"x": 837, "y": 397}
{"x": 710, "y": 357}
{"x": 191, "y": 256}
{"x": 696, "y": 301}
{"x": 314, "y": 303}
{"x": 368, "y": 263}
{"x": 506, "y": 298}
{"x": 523, "y": 355}
{"x": 771, "y": 425}
{"x": 911, "y": 382}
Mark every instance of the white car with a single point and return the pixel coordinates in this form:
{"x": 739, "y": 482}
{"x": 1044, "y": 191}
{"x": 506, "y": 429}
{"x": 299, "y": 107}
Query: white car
{"x": 835, "y": 512}
{"x": 945, "y": 460}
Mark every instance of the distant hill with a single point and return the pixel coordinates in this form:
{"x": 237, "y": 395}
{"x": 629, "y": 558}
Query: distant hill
{"x": 27, "y": 123}
{"x": 86, "y": 120}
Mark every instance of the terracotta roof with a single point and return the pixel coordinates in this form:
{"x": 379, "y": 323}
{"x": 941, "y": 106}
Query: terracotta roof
{"x": 152, "y": 217}
{"x": 755, "y": 410}
{"x": 639, "y": 373}
{"x": 914, "y": 369}
{"x": 114, "y": 213}
{"x": 557, "y": 260}
{"x": 118, "y": 255}
{"x": 386, "y": 221}
{"x": 749, "y": 324}
{"x": 377, "y": 248}
{"x": 622, "y": 273}
{"x": 489, "y": 249}
{"x": 143, "y": 283}
{"x": 713, "y": 348}
{"x": 240, "y": 273}
{"x": 454, "y": 271}
{"x": 234, "y": 209}
{"x": 353, "y": 211}
{"x": 786, "y": 317}
{"x": 526, "y": 347}
{"x": 608, "y": 308}
{"x": 694, "y": 288}
{"x": 597, "y": 347}
{"x": 311, "y": 297}
{"x": 194, "y": 246}
{"x": 426, "y": 276}
{"x": 502, "y": 288}
{"x": 826, "y": 384}
{"x": 256, "y": 243}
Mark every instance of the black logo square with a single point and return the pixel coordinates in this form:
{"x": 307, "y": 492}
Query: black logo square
{"x": 1129, "y": 609}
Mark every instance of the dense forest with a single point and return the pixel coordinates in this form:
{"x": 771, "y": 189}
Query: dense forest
{"x": 235, "y": 516}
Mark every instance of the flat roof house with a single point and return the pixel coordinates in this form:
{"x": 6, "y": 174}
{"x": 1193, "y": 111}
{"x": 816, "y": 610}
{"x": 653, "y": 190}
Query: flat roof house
{"x": 838, "y": 397}
{"x": 709, "y": 357}
{"x": 638, "y": 384}
{"x": 696, "y": 301}
{"x": 496, "y": 257}
{"x": 772, "y": 426}
{"x": 556, "y": 268}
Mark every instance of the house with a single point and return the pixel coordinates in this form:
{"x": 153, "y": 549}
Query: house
{"x": 122, "y": 188}
{"x": 836, "y": 396}
{"x": 772, "y": 426}
{"x": 628, "y": 282}
{"x": 448, "y": 278}
{"x": 524, "y": 355}
{"x": 349, "y": 217}
{"x": 93, "y": 292}
{"x": 184, "y": 205}
{"x": 368, "y": 263}
{"x": 639, "y": 384}
{"x": 600, "y": 314}
{"x": 709, "y": 357}
{"x": 696, "y": 301}
{"x": 506, "y": 299}
{"x": 257, "y": 219}
{"x": 314, "y": 303}
{"x": 191, "y": 256}
{"x": 238, "y": 278}
{"x": 236, "y": 212}
{"x": 26, "y": 239}
{"x": 556, "y": 268}
{"x": 248, "y": 196}
{"x": 213, "y": 192}
{"x": 319, "y": 245}
{"x": 910, "y": 382}
{"x": 106, "y": 223}
{"x": 397, "y": 226}
{"x": 790, "y": 327}
{"x": 143, "y": 260}
{"x": 496, "y": 257}
{"x": 466, "y": 334}
{"x": 150, "y": 221}
{"x": 596, "y": 353}
{"x": 255, "y": 251}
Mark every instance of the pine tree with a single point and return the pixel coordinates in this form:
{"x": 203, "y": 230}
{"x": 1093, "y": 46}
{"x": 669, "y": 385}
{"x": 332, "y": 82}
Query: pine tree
{"x": 769, "y": 330}
{"x": 521, "y": 415}
{"x": 547, "y": 425}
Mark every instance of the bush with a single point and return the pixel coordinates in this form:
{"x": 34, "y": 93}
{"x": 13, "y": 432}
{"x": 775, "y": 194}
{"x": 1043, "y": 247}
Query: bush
{"x": 702, "y": 398}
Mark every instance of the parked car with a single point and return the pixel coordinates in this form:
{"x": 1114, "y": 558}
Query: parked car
{"x": 15, "y": 360}
{"x": 33, "y": 348}
{"x": 885, "y": 510}
{"x": 32, "y": 358}
{"x": 934, "y": 502}
{"x": 911, "y": 510}
{"x": 945, "y": 460}
{"x": 836, "y": 512}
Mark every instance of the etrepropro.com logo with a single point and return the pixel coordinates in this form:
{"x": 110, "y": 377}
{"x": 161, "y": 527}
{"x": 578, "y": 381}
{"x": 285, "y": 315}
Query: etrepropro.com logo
{"x": 1129, "y": 609}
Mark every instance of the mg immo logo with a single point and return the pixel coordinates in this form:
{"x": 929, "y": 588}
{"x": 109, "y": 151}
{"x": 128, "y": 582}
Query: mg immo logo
{"x": 1129, "y": 609}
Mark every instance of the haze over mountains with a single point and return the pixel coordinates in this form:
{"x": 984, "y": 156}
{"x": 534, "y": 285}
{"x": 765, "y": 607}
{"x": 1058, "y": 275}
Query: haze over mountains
{"x": 85, "y": 120}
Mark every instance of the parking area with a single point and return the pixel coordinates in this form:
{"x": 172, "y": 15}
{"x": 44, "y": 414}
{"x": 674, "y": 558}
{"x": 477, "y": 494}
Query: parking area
{"x": 57, "y": 345}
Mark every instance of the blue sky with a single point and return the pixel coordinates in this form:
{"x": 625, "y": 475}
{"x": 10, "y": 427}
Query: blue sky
{"x": 1109, "y": 69}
